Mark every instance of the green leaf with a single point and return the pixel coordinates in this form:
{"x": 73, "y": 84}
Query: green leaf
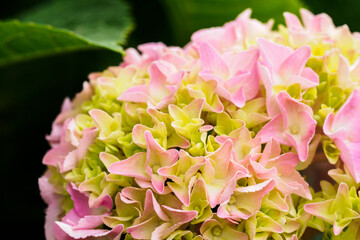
{"x": 75, "y": 25}
{"x": 23, "y": 41}
{"x": 187, "y": 16}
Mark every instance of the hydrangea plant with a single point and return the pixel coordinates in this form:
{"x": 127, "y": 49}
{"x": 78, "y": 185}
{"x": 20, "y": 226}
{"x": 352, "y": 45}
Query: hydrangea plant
{"x": 213, "y": 140}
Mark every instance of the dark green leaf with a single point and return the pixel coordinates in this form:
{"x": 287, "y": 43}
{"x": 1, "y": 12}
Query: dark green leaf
{"x": 22, "y": 41}
{"x": 75, "y": 25}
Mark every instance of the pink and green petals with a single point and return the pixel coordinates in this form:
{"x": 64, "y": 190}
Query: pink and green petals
{"x": 235, "y": 73}
{"x": 225, "y": 125}
{"x": 216, "y": 140}
{"x": 160, "y": 120}
{"x": 82, "y": 221}
{"x": 217, "y": 228}
{"x": 187, "y": 120}
{"x": 219, "y": 171}
{"x": 237, "y": 207}
{"x": 64, "y": 231}
{"x": 159, "y": 92}
{"x": 294, "y": 126}
{"x": 144, "y": 166}
{"x": 158, "y": 221}
{"x": 338, "y": 211}
{"x": 213, "y": 65}
{"x": 199, "y": 202}
{"x": 343, "y": 129}
{"x": 262, "y": 226}
{"x": 183, "y": 175}
{"x": 253, "y": 113}
{"x": 243, "y": 145}
{"x": 126, "y": 212}
{"x": 282, "y": 68}
{"x": 281, "y": 168}
{"x": 109, "y": 127}
{"x": 206, "y": 90}
{"x": 186, "y": 235}
{"x": 54, "y": 210}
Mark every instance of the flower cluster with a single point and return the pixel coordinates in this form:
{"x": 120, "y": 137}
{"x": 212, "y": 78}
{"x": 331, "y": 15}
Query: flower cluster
{"x": 213, "y": 140}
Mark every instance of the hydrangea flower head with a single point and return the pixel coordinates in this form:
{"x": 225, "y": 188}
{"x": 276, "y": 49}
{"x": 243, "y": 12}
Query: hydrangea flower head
{"x": 215, "y": 140}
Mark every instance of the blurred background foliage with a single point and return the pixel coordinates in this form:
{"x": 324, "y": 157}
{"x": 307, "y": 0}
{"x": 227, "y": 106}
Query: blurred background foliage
{"x": 35, "y": 82}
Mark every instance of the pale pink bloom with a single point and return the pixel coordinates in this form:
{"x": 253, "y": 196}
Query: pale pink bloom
{"x": 250, "y": 29}
{"x": 64, "y": 231}
{"x": 243, "y": 145}
{"x": 320, "y": 23}
{"x": 235, "y": 73}
{"x": 283, "y": 66}
{"x": 233, "y": 36}
{"x": 294, "y": 126}
{"x": 316, "y": 27}
{"x": 220, "y": 38}
{"x": 355, "y": 71}
{"x": 281, "y": 169}
{"x": 151, "y": 52}
{"x": 344, "y": 129}
{"x": 88, "y": 138}
{"x": 86, "y": 94}
{"x": 121, "y": 80}
{"x": 161, "y": 89}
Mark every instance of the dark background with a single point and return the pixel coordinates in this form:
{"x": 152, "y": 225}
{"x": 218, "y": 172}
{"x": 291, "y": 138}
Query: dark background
{"x": 31, "y": 94}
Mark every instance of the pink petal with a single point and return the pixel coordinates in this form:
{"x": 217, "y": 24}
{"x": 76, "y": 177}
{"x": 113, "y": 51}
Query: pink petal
{"x": 273, "y": 129}
{"x": 53, "y": 210}
{"x": 57, "y": 155}
{"x": 134, "y": 166}
{"x": 135, "y": 94}
{"x": 273, "y": 54}
{"x": 301, "y": 142}
{"x": 220, "y": 158}
{"x": 346, "y": 119}
{"x": 152, "y": 206}
{"x": 210, "y": 35}
{"x": 159, "y": 71}
{"x": 247, "y": 209}
{"x": 158, "y": 182}
{"x": 295, "y": 63}
{"x": 88, "y": 138}
{"x": 241, "y": 61}
{"x": 212, "y": 61}
{"x": 350, "y": 155}
{"x": 292, "y": 21}
{"x": 64, "y": 231}
{"x": 306, "y": 17}
{"x": 144, "y": 229}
